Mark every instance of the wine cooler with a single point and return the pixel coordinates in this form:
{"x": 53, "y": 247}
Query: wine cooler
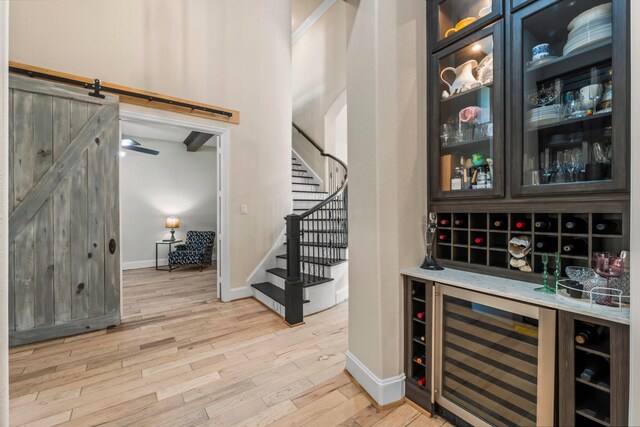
{"x": 495, "y": 359}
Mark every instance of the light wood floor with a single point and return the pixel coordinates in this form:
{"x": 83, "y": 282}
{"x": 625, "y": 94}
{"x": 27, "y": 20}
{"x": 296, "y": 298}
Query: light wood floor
{"x": 181, "y": 358}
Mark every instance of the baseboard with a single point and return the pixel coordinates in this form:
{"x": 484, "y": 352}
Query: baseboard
{"x": 133, "y": 265}
{"x": 387, "y": 391}
{"x": 237, "y": 293}
{"x": 342, "y": 295}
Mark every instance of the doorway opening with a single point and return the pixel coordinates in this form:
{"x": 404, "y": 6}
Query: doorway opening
{"x": 174, "y": 184}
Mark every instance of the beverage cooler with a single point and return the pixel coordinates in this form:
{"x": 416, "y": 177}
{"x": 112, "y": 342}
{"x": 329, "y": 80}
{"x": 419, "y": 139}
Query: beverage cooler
{"x": 495, "y": 359}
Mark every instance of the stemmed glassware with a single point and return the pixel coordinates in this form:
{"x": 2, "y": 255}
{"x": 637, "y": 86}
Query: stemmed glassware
{"x": 608, "y": 266}
{"x": 594, "y": 89}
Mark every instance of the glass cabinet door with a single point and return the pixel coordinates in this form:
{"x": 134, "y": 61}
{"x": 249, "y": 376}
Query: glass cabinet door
{"x": 466, "y": 124}
{"x": 570, "y": 130}
{"x": 454, "y": 19}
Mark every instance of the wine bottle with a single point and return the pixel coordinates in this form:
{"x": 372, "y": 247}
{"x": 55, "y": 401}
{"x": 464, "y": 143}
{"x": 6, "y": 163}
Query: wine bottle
{"x": 542, "y": 225}
{"x": 500, "y": 224}
{"x": 444, "y": 222}
{"x": 443, "y": 238}
{"x": 420, "y": 359}
{"x": 460, "y": 222}
{"x": 422, "y": 381}
{"x": 479, "y": 241}
{"x": 546, "y": 245}
{"x": 575, "y": 247}
{"x": 606, "y": 226}
{"x": 575, "y": 225}
{"x": 521, "y": 225}
{"x": 420, "y": 315}
{"x": 588, "y": 333}
{"x": 594, "y": 367}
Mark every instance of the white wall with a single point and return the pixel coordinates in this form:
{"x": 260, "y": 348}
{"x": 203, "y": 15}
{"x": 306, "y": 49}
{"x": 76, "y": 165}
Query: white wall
{"x": 387, "y": 175}
{"x": 175, "y": 182}
{"x": 319, "y": 78}
{"x": 232, "y": 53}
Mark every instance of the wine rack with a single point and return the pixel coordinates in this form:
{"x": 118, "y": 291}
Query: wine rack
{"x": 593, "y": 374}
{"x": 418, "y": 342}
{"x": 479, "y": 241}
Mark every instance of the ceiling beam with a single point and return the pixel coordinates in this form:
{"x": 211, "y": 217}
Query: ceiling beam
{"x": 195, "y": 140}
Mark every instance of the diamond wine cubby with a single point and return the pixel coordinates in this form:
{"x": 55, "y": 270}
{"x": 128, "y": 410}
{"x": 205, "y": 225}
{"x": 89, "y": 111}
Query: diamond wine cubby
{"x": 480, "y": 240}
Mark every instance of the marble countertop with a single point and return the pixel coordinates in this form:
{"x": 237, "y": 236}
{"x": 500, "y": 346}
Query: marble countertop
{"x": 516, "y": 290}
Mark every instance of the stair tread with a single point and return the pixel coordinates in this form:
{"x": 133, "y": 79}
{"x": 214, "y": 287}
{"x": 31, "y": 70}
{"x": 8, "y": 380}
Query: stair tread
{"x": 300, "y": 176}
{"x": 270, "y": 290}
{"x": 309, "y": 280}
{"x": 316, "y": 260}
{"x": 306, "y": 183}
{"x": 307, "y": 191}
{"x": 296, "y": 164}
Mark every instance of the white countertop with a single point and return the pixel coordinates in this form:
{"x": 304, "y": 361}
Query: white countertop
{"x": 516, "y": 290}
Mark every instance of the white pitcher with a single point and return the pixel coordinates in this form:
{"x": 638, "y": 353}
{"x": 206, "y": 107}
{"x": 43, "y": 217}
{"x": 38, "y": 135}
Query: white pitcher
{"x": 464, "y": 77}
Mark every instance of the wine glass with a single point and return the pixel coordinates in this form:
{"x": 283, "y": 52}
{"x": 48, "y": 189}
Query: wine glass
{"x": 607, "y": 267}
{"x": 594, "y": 89}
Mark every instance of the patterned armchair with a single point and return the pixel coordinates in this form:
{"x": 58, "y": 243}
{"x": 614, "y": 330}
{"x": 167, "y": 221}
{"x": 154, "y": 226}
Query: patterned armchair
{"x": 196, "y": 250}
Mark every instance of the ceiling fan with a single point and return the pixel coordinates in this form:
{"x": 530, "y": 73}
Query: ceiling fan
{"x": 133, "y": 145}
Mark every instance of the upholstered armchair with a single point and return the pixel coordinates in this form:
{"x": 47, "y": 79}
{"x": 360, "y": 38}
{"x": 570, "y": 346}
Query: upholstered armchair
{"x": 196, "y": 250}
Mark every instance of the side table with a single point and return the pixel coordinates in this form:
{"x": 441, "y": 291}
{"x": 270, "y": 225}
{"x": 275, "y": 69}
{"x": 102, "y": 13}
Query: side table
{"x": 166, "y": 242}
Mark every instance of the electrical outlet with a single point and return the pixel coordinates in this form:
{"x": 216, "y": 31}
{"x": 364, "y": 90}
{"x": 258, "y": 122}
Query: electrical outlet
{"x": 244, "y": 209}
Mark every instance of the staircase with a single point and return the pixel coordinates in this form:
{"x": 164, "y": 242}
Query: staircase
{"x": 314, "y": 265}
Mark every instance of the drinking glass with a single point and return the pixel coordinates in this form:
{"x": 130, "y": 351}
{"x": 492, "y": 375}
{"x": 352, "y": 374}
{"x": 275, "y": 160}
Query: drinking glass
{"x": 446, "y": 133}
{"x": 607, "y": 266}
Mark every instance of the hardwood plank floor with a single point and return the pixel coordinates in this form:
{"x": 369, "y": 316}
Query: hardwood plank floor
{"x": 182, "y": 358}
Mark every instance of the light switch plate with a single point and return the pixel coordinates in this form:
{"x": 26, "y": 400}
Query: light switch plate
{"x": 244, "y": 209}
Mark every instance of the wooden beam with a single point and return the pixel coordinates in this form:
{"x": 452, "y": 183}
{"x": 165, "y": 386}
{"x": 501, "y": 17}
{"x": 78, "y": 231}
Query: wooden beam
{"x": 149, "y": 99}
{"x": 195, "y": 140}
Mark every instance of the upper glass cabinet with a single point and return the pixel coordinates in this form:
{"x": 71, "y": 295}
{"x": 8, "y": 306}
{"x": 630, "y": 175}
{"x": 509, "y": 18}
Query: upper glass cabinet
{"x": 455, "y": 19}
{"x": 467, "y": 116}
{"x": 569, "y": 99}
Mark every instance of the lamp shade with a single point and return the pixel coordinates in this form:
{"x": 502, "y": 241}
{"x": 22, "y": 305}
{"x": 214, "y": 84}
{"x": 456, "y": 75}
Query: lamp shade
{"x": 172, "y": 222}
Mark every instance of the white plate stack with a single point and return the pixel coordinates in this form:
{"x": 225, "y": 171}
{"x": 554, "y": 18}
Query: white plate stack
{"x": 589, "y": 27}
{"x": 544, "y": 115}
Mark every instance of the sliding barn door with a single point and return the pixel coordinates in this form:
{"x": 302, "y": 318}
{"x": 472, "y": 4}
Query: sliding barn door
{"x": 64, "y": 263}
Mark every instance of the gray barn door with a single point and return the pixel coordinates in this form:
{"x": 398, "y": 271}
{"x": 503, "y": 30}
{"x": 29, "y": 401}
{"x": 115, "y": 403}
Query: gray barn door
{"x": 64, "y": 228}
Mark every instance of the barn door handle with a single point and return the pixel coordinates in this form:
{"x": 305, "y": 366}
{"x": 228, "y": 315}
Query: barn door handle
{"x": 112, "y": 246}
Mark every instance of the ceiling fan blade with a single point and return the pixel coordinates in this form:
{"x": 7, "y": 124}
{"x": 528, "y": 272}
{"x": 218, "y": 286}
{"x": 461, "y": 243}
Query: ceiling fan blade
{"x": 142, "y": 150}
{"x": 128, "y": 142}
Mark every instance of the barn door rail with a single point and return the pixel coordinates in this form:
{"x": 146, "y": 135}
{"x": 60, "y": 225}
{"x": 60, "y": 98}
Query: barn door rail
{"x": 127, "y": 94}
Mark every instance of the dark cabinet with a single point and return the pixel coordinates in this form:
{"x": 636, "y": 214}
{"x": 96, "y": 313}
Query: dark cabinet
{"x": 418, "y": 326}
{"x": 466, "y": 119}
{"x": 453, "y": 20}
{"x": 593, "y": 371}
{"x": 569, "y": 97}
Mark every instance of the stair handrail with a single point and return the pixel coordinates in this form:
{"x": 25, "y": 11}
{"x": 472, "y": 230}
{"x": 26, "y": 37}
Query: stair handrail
{"x": 343, "y": 185}
{"x": 333, "y": 210}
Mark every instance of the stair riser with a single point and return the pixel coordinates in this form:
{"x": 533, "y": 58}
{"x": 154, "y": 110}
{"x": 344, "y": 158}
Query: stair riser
{"x": 276, "y": 307}
{"x": 309, "y": 196}
{"x": 320, "y": 298}
{"x": 324, "y": 239}
{"x": 305, "y": 204}
{"x": 308, "y": 268}
{"x": 304, "y": 187}
{"x": 339, "y": 253}
{"x": 299, "y": 173}
{"x": 276, "y": 280}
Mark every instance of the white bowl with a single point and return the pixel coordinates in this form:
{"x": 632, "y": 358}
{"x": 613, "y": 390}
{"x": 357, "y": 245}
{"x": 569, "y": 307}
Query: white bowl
{"x": 587, "y": 91}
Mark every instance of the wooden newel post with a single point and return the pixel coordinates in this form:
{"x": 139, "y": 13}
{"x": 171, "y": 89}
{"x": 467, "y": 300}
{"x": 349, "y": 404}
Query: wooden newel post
{"x": 293, "y": 285}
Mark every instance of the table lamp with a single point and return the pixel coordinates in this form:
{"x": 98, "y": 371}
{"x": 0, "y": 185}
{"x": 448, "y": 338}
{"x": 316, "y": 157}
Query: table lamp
{"x": 172, "y": 222}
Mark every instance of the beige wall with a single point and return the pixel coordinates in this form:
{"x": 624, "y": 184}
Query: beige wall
{"x": 386, "y": 131}
{"x": 319, "y": 60}
{"x": 232, "y": 53}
